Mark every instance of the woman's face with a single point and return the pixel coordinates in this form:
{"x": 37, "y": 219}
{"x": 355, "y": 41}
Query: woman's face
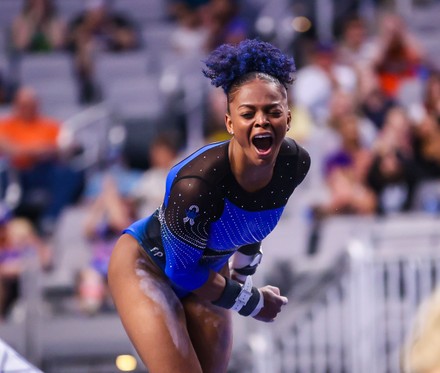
{"x": 259, "y": 118}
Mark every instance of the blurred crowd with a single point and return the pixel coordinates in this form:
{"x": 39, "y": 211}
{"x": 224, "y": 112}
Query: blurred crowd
{"x": 366, "y": 105}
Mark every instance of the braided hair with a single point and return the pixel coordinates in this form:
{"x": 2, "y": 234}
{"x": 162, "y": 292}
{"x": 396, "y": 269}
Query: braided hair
{"x": 230, "y": 66}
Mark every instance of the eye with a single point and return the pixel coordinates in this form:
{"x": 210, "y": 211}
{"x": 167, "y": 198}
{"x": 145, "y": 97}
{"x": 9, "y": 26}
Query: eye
{"x": 247, "y": 115}
{"x": 276, "y": 113}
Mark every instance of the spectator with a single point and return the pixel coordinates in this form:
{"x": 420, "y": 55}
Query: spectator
{"x": 17, "y": 237}
{"x": 107, "y": 215}
{"x": 355, "y": 47}
{"x": 344, "y": 194}
{"x": 98, "y": 28}
{"x": 38, "y": 28}
{"x": 4, "y": 89}
{"x": 190, "y": 35}
{"x": 345, "y": 191}
{"x": 317, "y": 81}
{"x": 343, "y": 104}
{"x": 224, "y": 23}
{"x": 375, "y": 104}
{"x": 393, "y": 175}
{"x": 148, "y": 193}
{"x": 215, "y": 118}
{"x": 427, "y": 147}
{"x": 30, "y": 141}
{"x": 399, "y": 56}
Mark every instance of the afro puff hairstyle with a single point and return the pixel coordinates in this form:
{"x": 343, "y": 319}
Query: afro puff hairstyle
{"x": 228, "y": 63}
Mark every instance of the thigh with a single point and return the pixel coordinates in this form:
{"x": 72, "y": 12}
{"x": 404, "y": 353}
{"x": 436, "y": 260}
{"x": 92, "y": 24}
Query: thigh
{"x": 150, "y": 312}
{"x": 210, "y": 329}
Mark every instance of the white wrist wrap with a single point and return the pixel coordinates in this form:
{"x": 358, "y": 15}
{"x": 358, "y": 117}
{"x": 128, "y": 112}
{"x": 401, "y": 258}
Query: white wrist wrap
{"x": 244, "y": 295}
{"x": 260, "y": 305}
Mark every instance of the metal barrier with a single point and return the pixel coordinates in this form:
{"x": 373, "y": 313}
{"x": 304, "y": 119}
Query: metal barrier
{"x": 358, "y": 320}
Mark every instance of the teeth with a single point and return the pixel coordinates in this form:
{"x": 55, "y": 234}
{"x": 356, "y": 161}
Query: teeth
{"x": 262, "y": 136}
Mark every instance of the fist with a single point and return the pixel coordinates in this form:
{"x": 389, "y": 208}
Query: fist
{"x": 273, "y": 302}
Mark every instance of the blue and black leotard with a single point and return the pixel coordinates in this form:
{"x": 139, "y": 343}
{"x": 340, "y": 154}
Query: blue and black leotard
{"x": 206, "y": 216}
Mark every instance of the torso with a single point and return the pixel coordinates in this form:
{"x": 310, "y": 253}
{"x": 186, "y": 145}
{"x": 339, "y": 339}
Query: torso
{"x": 206, "y": 215}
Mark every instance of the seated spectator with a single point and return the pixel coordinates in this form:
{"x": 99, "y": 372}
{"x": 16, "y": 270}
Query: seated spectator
{"x": 148, "y": 193}
{"x": 29, "y": 140}
{"x": 344, "y": 194}
{"x": 352, "y": 145}
{"x": 215, "y": 118}
{"x": 427, "y": 147}
{"x": 347, "y": 194}
{"x": 345, "y": 191}
{"x": 224, "y": 23}
{"x": 108, "y": 214}
{"x": 399, "y": 56}
{"x": 355, "y": 47}
{"x": 190, "y": 36}
{"x": 17, "y": 236}
{"x": 98, "y": 28}
{"x": 4, "y": 89}
{"x": 343, "y": 104}
{"x": 317, "y": 81}
{"x": 38, "y": 28}
{"x": 426, "y": 137}
{"x": 375, "y": 104}
{"x": 393, "y": 175}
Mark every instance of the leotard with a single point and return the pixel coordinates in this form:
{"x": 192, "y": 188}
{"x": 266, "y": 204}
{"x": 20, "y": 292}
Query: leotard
{"x": 206, "y": 215}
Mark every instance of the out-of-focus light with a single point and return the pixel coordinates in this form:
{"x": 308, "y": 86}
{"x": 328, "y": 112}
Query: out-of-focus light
{"x": 301, "y": 24}
{"x": 265, "y": 25}
{"x": 126, "y": 363}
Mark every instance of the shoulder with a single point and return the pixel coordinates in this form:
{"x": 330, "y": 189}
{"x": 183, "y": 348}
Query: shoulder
{"x": 290, "y": 148}
{"x": 294, "y": 159}
{"x": 197, "y": 177}
{"x": 210, "y": 163}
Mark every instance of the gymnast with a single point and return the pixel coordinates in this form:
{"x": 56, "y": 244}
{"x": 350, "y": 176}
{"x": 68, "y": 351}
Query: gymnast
{"x": 176, "y": 275}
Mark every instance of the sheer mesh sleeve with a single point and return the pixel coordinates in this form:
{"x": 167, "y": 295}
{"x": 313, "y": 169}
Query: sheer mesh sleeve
{"x": 191, "y": 206}
{"x": 303, "y": 165}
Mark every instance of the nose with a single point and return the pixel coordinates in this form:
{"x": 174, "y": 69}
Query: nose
{"x": 261, "y": 120}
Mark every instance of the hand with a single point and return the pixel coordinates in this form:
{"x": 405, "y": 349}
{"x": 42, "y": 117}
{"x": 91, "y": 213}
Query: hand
{"x": 273, "y": 302}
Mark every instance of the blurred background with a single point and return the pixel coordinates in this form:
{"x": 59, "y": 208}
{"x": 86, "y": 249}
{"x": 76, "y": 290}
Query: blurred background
{"x": 99, "y": 98}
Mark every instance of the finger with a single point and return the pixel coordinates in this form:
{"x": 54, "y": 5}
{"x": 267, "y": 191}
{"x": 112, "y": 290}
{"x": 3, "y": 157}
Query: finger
{"x": 284, "y": 300}
{"x": 274, "y": 289}
{"x": 264, "y": 319}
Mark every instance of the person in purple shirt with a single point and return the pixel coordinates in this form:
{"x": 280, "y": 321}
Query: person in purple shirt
{"x": 175, "y": 275}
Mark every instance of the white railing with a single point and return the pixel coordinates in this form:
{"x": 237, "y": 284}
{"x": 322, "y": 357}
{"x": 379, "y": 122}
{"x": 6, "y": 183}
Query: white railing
{"x": 363, "y": 310}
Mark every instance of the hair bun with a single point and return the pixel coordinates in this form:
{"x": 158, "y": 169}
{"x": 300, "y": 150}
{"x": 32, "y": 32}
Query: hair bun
{"x": 228, "y": 62}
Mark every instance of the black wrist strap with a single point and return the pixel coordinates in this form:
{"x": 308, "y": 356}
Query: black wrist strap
{"x": 242, "y": 298}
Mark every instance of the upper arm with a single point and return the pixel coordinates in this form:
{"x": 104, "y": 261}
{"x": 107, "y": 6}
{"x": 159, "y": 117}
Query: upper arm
{"x": 190, "y": 208}
{"x": 303, "y": 165}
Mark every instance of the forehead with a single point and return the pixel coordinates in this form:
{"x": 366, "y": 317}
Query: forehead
{"x": 259, "y": 91}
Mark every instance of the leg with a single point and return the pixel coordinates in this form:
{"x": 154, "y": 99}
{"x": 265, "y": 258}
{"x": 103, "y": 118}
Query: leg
{"x": 150, "y": 312}
{"x": 210, "y": 329}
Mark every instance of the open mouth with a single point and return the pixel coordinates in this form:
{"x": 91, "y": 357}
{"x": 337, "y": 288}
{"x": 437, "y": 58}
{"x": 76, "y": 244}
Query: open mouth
{"x": 263, "y": 143}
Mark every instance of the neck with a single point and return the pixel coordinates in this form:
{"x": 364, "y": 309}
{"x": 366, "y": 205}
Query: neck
{"x": 249, "y": 176}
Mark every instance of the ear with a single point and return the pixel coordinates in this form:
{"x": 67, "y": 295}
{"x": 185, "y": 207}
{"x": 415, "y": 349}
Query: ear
{"x": 289, "y": 119}
{"x": 229, "y": 125}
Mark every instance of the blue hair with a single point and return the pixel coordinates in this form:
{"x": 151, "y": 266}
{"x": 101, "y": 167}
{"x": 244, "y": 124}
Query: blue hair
{"x": 228, "y": 64}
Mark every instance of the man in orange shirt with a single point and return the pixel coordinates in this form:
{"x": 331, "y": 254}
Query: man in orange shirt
{"x": 29, "y": 141}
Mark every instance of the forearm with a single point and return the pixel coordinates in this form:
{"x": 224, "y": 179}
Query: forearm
{"x": 213, "y": 288}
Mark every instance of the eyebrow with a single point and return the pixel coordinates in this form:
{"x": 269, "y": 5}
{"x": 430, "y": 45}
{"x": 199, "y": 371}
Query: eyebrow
{"x": 268, "y": 106}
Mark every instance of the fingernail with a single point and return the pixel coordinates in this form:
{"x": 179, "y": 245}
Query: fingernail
{"x": 285, "y": 300}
